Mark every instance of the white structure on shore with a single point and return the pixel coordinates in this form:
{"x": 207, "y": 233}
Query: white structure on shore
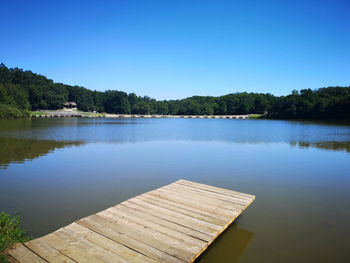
{"x": 70, "y": 105}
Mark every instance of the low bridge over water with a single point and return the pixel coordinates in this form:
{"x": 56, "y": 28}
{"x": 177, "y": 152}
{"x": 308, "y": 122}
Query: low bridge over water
{"x": 180, "y": 116}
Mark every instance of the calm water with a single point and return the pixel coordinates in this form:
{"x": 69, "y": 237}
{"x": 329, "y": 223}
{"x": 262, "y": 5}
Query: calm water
{"x": 55, "y": 171}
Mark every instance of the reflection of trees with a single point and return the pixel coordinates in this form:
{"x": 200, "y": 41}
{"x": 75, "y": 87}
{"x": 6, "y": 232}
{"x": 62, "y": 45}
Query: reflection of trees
{"x": 228, "y": 247}
{"x": 20, "y": 150}
{"x": 326, "y": 145}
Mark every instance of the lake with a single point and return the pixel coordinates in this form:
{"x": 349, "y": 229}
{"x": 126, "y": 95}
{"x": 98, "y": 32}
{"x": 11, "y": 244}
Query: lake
{"x": 55, "y": 171}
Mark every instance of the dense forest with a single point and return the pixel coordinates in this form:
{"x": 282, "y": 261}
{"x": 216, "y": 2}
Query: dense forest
{"x": 24, "y": 91}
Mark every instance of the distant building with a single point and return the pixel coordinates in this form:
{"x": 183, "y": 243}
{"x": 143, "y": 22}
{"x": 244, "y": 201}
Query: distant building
{"x": 70, "y": 105}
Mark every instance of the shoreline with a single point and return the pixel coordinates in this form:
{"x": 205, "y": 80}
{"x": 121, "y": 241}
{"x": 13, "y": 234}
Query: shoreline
{"x": 65, "y": 114}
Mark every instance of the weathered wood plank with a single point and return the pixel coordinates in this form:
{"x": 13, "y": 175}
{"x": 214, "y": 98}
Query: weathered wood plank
{"x": 74, "y": 252}
{"x": 90, "y": 248}
{"x": 47, "y": 252}
{"x": 24, "y": 255}
{"x": 170, "y": 206}
{"x": 212, "y": 222}
{"x": 219, "y": 219}
{"x": 166, "y": 243}
{"x": 205, "y": 203}
{"x": 186, "y": 239}
{"x": 134, "y": 210}
{"x": 107, "y": 228}
{"x": 202, "y": 225}
{"x": 235, "y": 200}
{"x": 168, "y": 217}
{"x": 217, "y": 189}
{"x": 109, "y": 244}
{"x": 205, "y": 199}
{"x": 214, "y": 210}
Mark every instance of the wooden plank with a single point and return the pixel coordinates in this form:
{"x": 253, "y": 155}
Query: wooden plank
{"x": 186, "y": 239}
{"x": 214, "y": 210}
{"x": 133, "y": 210}
{"x": 192, "y": 222}
{"x": 109, "y": 244}
{"x": 90, "y": 248}
{"x": 216, "y": 189}
{"x": 107, "y": 228}
{"x": 180, "y": 210}
{"x": 166, "y": 243}
{"x": 71, "y": 250}
{"x": 219, "y": 219}
{"x": 167, "y": 217}
{"x": 47, "y": 252}
{"x": 24, "y": 255}
{"x": 204, "y": 203}
{"x": 107, "y": 250}
{"x": 235, "y": 200}
{"x": 206, "y": 198}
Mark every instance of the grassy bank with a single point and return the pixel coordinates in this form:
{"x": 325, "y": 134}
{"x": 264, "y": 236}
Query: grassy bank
{"x": 10, "y": 234}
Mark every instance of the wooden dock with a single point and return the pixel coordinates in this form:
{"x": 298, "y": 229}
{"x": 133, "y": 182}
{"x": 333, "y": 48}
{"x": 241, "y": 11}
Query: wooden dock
{"x": 174, "y": 223}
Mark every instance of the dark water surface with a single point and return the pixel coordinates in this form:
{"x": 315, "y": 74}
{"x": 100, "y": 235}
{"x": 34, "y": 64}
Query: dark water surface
{"x": 55, "y": 171}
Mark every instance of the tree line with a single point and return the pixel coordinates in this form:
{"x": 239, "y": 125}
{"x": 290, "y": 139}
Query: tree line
{"x": 23, "y": 91}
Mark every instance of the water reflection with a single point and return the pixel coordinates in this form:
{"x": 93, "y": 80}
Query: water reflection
{"x": 17, "y": 150}
{"x": 228, "y": 247}
{"x": 326, "y": 145}
{"x": 142, "y": 130}
{"x": 20, "y": 150}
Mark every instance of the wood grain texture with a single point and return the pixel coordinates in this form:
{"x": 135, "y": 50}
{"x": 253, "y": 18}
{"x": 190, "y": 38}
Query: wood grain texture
{"x": 174, "y": 223}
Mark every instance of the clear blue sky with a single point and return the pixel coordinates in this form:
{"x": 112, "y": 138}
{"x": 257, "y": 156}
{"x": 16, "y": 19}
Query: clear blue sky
{"x": 175, "y": 49}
